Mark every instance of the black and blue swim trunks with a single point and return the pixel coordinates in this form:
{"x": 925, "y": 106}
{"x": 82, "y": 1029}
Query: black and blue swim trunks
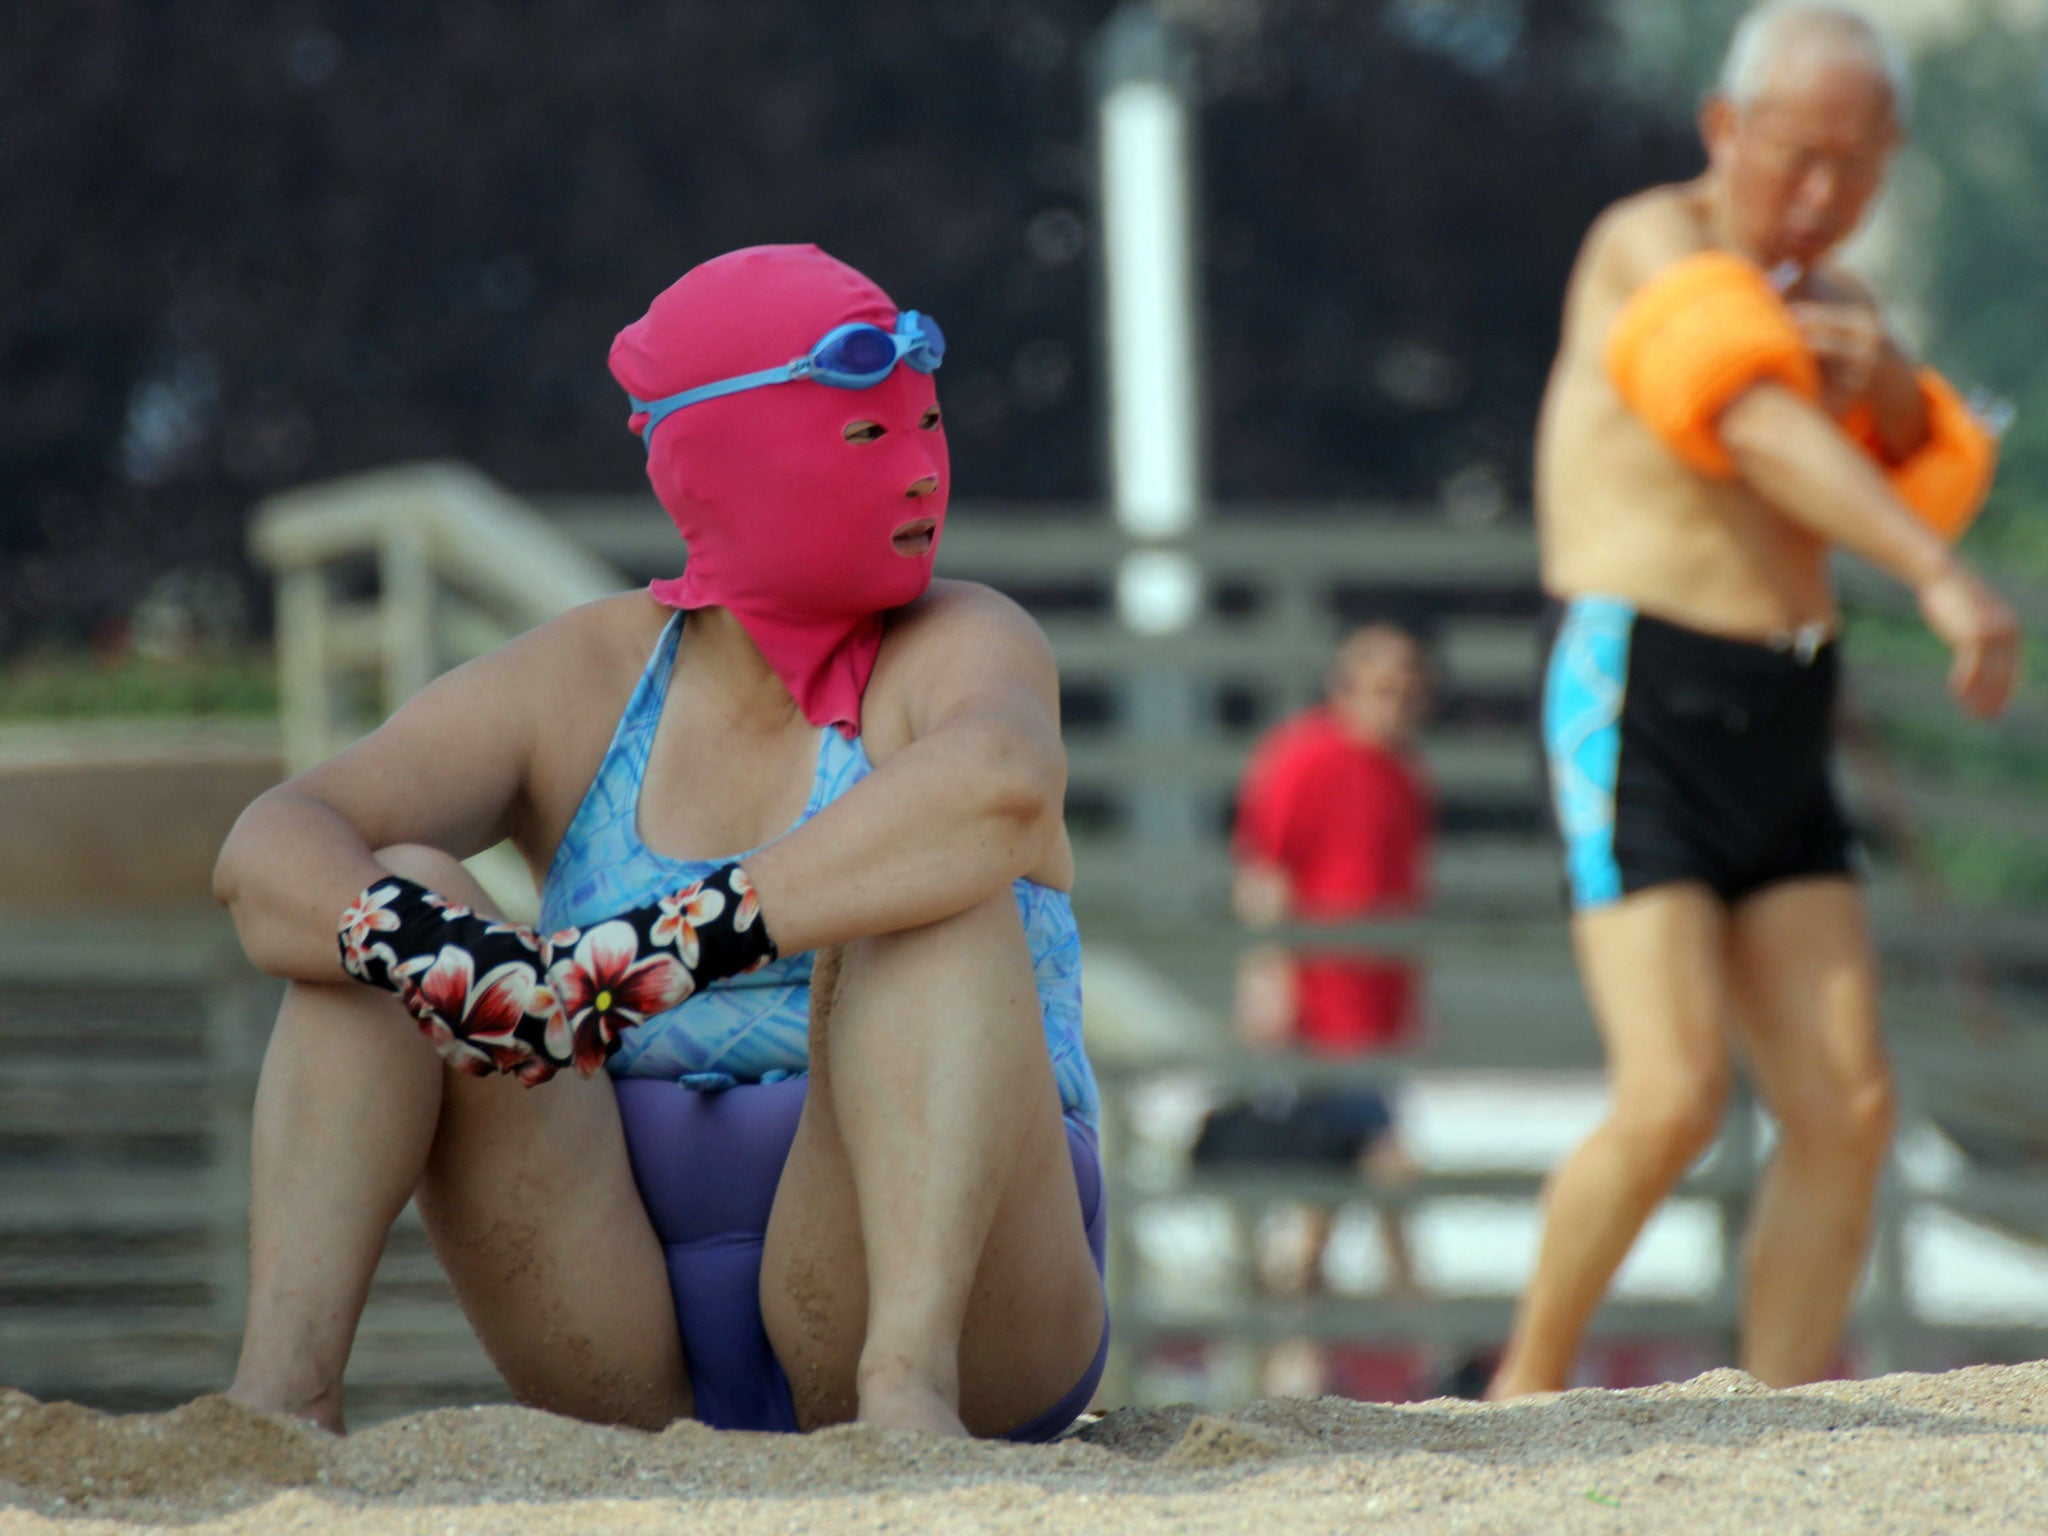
{"x": 1674, "y": 755}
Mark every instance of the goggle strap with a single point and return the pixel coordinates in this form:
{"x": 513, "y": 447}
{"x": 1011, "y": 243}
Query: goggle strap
{"x": 911, "y": 340}
{"x": 658, "y": 410}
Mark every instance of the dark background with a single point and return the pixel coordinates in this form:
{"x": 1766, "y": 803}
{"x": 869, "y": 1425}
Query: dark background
{"x": 251, "y": 246}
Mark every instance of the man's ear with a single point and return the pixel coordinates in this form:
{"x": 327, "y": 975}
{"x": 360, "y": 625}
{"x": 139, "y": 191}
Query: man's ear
{"x": 1717, "y": 125}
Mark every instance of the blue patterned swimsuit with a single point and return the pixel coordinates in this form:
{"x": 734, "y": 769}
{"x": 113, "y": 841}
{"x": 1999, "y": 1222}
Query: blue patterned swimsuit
{"x": 755, "y": 1028}
{"x": 708, "y": 1162}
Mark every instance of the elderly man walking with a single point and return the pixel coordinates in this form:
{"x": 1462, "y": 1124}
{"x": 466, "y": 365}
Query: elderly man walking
{"x": 1727, "y": 408}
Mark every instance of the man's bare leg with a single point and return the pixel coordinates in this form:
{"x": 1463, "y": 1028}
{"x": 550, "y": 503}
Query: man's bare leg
{"x": 1387, "y": 1167}
{"x": 925, "y": 1264}
{"x": 528, "y": 1195}
{"x": 1807, "y": 979}
{"x": 1288, "y": 1252}
{"x": 1655, "y": 972}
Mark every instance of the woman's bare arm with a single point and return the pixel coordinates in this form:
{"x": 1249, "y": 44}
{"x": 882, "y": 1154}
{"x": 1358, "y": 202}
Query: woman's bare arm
{"x": 446, "y": 770}
{"x": 970, "y": 803}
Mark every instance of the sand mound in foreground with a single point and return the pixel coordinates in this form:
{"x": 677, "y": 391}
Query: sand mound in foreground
{"x": 1965, "y": 1451}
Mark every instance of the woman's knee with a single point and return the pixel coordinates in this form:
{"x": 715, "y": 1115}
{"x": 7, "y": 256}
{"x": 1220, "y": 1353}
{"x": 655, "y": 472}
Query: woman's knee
{"x": 339, "y": 1042}
{"x": 439, "y": 871}
{"x": 989, "y": 931}
{"x": 993, "y": 920}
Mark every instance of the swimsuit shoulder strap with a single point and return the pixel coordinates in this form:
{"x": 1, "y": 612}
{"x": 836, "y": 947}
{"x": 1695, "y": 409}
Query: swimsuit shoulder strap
{"x": 604, "y": 823}
{"x": 842, "y": 763}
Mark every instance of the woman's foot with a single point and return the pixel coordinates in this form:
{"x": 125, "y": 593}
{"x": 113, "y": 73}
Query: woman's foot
{"x": 322, "y": 1410}
{"x": 903, "y": 1399}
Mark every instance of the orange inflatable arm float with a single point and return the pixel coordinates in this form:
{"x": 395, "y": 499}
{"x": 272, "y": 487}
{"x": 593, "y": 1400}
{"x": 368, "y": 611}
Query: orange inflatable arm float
{"x": 1692, "y": 340}
{"x": 1947, "y": 478}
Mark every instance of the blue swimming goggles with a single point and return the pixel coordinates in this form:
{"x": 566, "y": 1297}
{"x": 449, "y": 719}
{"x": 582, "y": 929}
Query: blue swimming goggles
{"x": 857, "y": 356}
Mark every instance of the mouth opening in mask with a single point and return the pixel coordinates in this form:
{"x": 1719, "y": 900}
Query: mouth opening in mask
{"x": 913, "y": 540}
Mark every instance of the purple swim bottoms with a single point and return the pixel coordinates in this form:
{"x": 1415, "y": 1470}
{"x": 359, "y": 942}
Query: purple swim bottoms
{"x": 707, "y": 1165}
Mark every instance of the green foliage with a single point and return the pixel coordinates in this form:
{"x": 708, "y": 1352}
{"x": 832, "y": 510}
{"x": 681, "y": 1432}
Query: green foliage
{"x": 1983, "y": 869}
{"x": 1969, "y": 758}
{"x": 1930, "y": 742}
{"x": 73, "y": 685}
{"x": 1981, "y": 122}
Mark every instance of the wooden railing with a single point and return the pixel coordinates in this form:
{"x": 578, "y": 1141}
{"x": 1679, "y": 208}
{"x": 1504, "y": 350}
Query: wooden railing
{"x": 385, "y": 580}
{"x": 456, "y": 563}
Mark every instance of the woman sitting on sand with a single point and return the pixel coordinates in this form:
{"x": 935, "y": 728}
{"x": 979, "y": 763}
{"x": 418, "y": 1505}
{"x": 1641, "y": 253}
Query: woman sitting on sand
{"x": 796, "y": 1195}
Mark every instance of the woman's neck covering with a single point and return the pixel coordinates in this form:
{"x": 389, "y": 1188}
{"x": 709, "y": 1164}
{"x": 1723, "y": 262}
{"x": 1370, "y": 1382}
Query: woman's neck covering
{"x": 788, "y": 524}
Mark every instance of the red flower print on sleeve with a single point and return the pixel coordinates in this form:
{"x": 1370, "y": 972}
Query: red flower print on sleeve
{"x": 605, "y": 987}
{"x": 682, "y": 914}
{"x": 471, "y": 1021}
{"x": 496, "y": 997}
{"x": 369, "y": 913}
{"x": 748, "y": 909}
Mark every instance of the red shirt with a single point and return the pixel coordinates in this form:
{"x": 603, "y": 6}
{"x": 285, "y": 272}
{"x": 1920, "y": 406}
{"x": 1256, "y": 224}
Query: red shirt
{"x": 1349, "y": 822}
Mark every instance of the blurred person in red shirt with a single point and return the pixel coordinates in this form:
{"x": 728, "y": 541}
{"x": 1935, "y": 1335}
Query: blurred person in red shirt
{"x": 1335, "y": 820}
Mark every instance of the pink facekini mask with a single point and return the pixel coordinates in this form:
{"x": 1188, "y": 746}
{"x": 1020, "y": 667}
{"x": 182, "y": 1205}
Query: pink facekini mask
{"x": 744, "y": 375}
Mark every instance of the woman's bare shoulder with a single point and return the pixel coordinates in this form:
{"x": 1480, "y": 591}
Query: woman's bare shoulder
{"x": 960, "y": 644}
{"x": 951, "y": 612}
{"x": 593, "y": 639}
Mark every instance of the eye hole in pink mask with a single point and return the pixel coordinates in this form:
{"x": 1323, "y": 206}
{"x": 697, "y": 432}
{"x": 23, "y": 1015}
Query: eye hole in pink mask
{"x": 863, "y": 431}
{"x": 872, "y": 431}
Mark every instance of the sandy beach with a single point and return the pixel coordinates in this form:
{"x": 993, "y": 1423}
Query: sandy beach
{"x": 1964, "y": 1451}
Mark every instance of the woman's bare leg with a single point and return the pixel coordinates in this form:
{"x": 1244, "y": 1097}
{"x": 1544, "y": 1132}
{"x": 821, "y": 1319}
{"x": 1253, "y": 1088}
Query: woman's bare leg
{"x": 926, "y": 1265}
{"x": 530, "y": 1201}
{"x": 528, "y": 1196}
{"x": 345, "y": 1113}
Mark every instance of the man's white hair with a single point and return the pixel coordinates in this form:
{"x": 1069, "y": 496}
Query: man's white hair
{"x": 1761, "y": 38}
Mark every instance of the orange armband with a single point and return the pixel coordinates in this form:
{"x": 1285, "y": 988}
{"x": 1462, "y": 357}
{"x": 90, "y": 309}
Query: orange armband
{"x": 1947, "y": 478}
{"x": 1692, "y": 340}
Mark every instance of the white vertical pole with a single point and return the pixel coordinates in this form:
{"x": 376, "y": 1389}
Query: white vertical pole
{"x": 1144, "y": 79}
{"x": 1147, "y": 239}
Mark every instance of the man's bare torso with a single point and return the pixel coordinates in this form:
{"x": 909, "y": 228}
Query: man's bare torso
{"x": 1616, "y": 513}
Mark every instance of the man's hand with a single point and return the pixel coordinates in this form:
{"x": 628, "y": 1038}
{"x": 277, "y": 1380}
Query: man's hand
{"x": 1259, "y": 895}
{"x": 1981, "y": 634}
{"x": 1848, "y": 340}
{"x": 1267, "y": 998}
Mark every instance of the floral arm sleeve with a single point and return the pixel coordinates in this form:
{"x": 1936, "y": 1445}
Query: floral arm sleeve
{"x": 497, "y": 997}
